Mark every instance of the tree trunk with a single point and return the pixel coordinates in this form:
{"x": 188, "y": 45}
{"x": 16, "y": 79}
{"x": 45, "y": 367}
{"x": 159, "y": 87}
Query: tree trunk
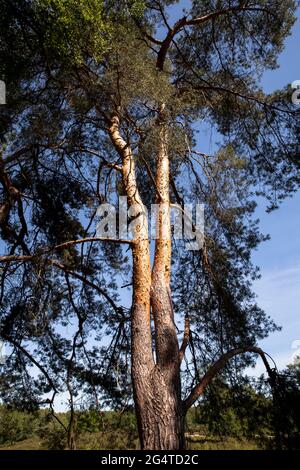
{"x": 159, "y": 413}
{"x": 156, "y": 384}
{"x": 159, "y": 407}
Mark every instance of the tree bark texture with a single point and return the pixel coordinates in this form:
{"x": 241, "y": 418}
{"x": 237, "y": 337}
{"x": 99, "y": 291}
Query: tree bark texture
{"x": 160, "y": 409}
{"x": 156, "y": 382}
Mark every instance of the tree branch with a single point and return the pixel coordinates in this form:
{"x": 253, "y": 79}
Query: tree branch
{"x": 91, "y": 239}
{"x": 118, "y": 310}
{"x": 180, "y": 24}
{"x": 186, "y": 337}
{"x": 198, "y": 390}
{"x": 22, "y": 258}
{"x": 30, "y": 357}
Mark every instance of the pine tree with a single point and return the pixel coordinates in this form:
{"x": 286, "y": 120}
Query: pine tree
{"x": 98, "y": 108}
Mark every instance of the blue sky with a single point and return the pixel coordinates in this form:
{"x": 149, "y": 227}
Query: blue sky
{"x": 279, "y": 259}
{"x": 278, "y": 290}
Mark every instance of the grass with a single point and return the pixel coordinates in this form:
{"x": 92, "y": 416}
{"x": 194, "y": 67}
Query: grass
{"x": 32, "y": 443}
{"x": 217, "y": 443}
{"x": 96, "y": 441}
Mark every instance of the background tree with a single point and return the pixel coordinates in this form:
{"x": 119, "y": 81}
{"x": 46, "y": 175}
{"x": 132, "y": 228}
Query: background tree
{"x": 98, "y": 107}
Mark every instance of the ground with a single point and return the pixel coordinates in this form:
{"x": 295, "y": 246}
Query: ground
{"x": 91, "y": 441}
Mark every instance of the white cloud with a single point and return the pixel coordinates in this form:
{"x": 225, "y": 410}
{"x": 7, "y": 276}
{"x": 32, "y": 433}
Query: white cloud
{"x": 278, "y": 294}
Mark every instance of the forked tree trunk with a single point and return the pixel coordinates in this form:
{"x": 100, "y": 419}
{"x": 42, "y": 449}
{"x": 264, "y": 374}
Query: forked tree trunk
{"x": 159, "y": 407}
{"x": 157, "y": 388}
{"x": 156, "y": 383}
{"x": 162, "y": 420}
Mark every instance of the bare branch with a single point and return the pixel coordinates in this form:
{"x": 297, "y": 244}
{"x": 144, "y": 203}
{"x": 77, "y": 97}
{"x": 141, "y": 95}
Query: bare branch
{"x": 92, "y": 239}
{"x": 118, "y": 310}
{"x": 198, "y": 390}
{"x": 186, "y": 336}
{"x": 180, "y": 24}
{"x": 23, "y": 258}
{"x": 97, "y": 154}
{"x": 12, "y": 258}
{"x": 17, "y": 345}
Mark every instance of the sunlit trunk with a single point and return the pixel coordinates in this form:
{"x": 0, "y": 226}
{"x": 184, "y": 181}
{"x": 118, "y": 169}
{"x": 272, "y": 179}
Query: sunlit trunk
{"x": 156, "y": 384}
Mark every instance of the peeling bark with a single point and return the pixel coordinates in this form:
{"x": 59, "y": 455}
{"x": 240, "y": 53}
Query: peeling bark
{"x": 159, "y": 407}
{"x": 169, "y": 418}
{"x": 157, "y": 389}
